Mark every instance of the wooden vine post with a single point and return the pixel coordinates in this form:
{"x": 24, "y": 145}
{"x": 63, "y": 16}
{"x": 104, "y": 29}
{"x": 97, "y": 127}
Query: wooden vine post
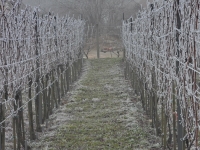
{"x": 2, "y": 130}
{"x": 124, "y": 50}
{"x": 5, "y": 88}
{"x": 174, "y": 114}
{"x": 67, "y": 76}
{"x": 58, "y": 76}
{"x": 30, "y": 112}
{"x": 196, "y": 104}
{"x": 2, "y": 117}
{"x": 45, "y": 98}
{"x": 179, "y": 126}
{"x": 53, "y": 99}
{"x": 37, "y": 78}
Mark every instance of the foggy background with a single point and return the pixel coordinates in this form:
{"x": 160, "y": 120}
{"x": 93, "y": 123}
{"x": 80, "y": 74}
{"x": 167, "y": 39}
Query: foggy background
{"x": 107, "y": 14}
{"x": 111, "y": 10}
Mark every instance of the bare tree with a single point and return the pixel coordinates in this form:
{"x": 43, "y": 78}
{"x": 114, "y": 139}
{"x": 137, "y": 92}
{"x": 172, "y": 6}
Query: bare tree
{"x": 89, "y": 35}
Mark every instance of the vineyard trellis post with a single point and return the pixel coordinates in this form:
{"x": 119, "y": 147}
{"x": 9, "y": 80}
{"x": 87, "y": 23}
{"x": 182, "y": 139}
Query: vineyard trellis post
{"x": 45, "y": 85}
{"x": 56, "y": 44}
{"x": 37, "y": 78}
{"x": 30, "y": 112}
{"x": 124, "y": 50}
{"x": 2, "y": 133}
{"x": 195, "y": 75}
{"x": 179, "y": 125}
{"x": 1, "y": 127}
{"x": 174, "y": 114}
{"x": 152, "y": 91}
{"x": 67, "y": 76}
{"x": 4, "y": 92}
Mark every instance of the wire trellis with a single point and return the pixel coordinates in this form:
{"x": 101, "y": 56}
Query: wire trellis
{"x": 166, "y": 59}
{"x": 38, "y": 55}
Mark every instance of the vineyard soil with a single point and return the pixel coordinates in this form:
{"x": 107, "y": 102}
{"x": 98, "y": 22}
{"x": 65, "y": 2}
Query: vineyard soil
{"x": 100, "y": 112}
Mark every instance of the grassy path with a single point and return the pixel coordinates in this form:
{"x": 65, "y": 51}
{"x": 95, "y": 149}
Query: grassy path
{"x": 104, "y": 115}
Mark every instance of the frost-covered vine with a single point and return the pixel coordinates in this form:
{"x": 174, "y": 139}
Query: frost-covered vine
{"x": 34, "y": 48}
{"x": 159, "y": 49}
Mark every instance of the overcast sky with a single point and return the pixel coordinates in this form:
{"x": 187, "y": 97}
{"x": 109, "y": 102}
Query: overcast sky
{"x": 57, "y": 7}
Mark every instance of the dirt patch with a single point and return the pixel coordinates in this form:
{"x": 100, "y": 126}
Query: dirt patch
{"x": 100, "y": 113}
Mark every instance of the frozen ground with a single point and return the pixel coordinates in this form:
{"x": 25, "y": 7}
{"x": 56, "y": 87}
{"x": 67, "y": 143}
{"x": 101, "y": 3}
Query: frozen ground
{"x": 100, "y": 113}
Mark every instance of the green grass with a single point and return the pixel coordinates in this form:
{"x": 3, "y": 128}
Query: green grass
{"x": 97, "y": 125}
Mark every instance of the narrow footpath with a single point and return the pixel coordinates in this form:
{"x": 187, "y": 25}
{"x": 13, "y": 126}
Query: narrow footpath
{"x": 100, "y": 113}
